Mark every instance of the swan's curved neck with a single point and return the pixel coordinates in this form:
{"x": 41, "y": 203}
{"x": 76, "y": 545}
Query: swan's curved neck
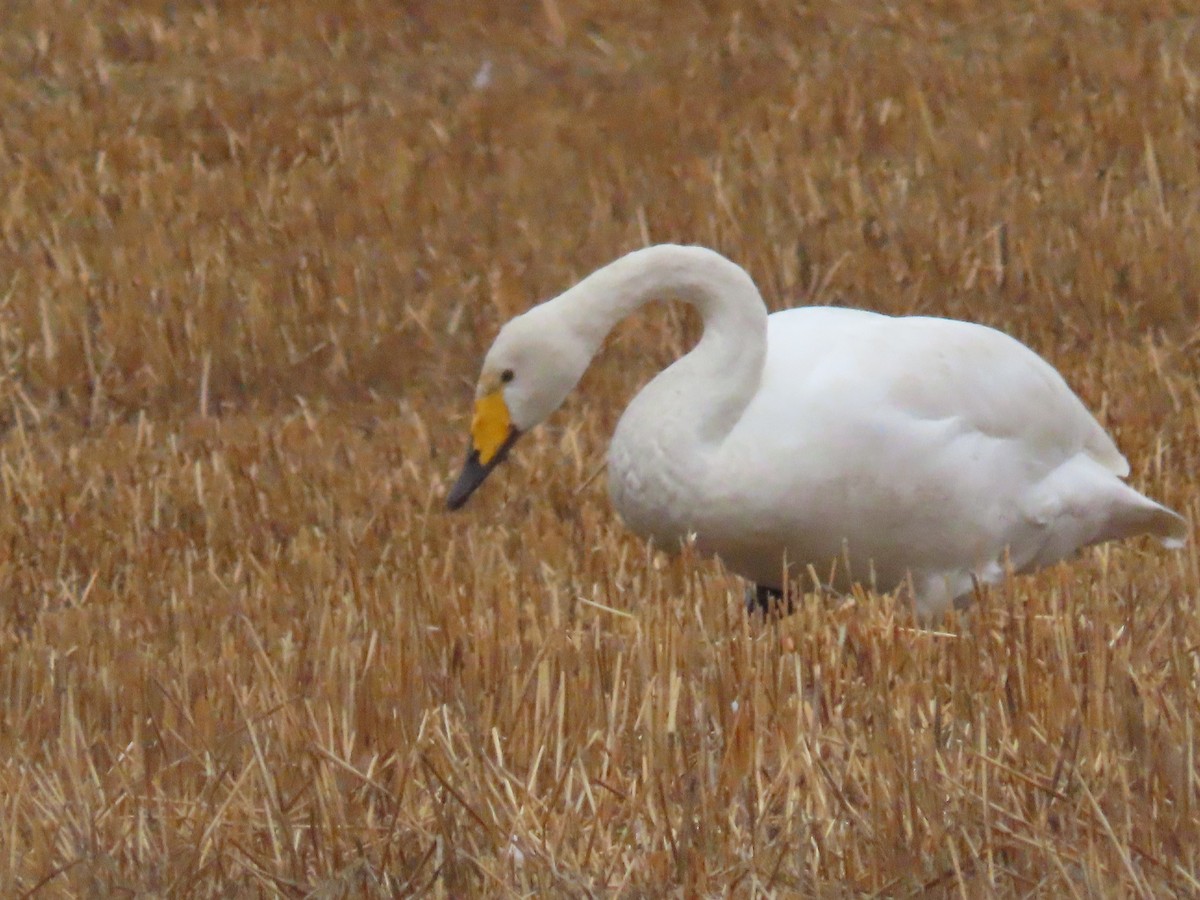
{"x": 722, "y": 372}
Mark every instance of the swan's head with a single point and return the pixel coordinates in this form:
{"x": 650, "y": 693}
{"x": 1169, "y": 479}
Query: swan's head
{"x": 533, "y": 364}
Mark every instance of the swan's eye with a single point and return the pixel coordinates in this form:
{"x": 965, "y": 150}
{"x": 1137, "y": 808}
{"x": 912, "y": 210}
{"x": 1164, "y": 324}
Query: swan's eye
{"x": 506, "y": 376}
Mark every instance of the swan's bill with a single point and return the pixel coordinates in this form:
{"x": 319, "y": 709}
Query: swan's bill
{"x": 490, "y": 426}
{"x": 492, "y": 434}
{"x": 474, "y": 471}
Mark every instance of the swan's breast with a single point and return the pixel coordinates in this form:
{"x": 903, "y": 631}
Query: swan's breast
{"x": 654, "y": 471}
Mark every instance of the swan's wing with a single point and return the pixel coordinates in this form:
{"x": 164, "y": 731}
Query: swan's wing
{"x": 931, "y": 369}
{"x": 993, "y": 384}
{"x": 1052, "y": 455}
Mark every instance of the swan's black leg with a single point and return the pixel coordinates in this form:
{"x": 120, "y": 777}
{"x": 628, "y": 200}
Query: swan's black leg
{"x": 760, "y": 598}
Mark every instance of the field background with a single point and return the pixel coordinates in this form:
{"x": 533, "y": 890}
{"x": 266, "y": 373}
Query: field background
{"x": 250, "y": 258}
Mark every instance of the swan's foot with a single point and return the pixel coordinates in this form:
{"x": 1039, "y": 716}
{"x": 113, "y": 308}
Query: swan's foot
{"x": 760, "y": 598}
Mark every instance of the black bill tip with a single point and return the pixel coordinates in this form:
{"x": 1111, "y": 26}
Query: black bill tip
{"x": 471, "y": 477}
{"x": 474, "y": 472}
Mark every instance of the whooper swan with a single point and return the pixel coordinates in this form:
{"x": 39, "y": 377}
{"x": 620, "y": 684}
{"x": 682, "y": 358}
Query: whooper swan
{"x": 910, "y": 447}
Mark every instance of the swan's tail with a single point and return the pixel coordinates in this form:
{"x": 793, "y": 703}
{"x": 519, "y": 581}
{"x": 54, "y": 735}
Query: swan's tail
{"x": 1127, "y": 513}
{"x": 1084, "y": 503}
{"x": 1148, "y": 517}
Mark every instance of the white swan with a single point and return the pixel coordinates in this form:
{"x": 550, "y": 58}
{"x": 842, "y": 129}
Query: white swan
{"x": 902, "y": 447}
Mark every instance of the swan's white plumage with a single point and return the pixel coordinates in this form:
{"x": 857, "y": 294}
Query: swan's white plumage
{"x": 913, "y": 446}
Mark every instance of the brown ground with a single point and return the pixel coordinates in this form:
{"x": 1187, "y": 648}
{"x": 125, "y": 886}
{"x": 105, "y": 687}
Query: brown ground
{"x": 250, "y": 256}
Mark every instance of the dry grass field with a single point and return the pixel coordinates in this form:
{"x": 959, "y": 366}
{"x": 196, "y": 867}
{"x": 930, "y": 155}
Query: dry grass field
{"x": 250, "y": 257}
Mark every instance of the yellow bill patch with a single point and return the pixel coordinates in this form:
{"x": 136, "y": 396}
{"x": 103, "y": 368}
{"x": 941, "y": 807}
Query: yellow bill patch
{"x": 490, "y": 425}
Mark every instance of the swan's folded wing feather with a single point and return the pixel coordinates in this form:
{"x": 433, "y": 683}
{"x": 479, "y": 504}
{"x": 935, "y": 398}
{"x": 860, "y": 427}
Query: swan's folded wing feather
{"x": 941, "y": 368}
